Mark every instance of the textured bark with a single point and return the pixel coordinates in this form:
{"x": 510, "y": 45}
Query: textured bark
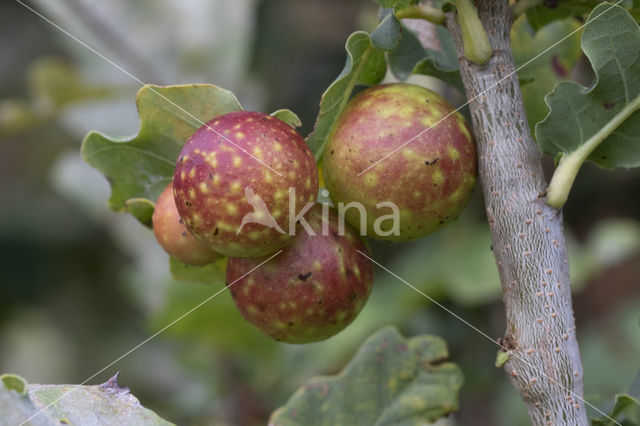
{"x": 528, "y": 237}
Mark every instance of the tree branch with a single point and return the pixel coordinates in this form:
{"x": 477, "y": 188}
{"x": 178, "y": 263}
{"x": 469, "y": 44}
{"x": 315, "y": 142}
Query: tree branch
{"x": 528, "y": 237}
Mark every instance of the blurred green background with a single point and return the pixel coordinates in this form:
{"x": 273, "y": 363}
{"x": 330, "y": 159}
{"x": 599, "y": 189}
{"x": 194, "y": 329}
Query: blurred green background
{"x": 81, "y": 285}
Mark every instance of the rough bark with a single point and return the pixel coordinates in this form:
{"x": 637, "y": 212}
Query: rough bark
{"x": 528, "y": 237}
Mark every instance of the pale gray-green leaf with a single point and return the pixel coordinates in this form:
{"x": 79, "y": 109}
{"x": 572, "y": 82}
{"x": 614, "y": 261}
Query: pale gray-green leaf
{"x": 55, "y": 405}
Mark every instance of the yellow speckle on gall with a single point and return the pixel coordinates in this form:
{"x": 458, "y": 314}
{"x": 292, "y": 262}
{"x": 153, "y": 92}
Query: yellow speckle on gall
{"x": 437, "y": 177}
{"x": 435, "y": 157}
{"x": 214, "y": 172}
{"x": 371, "y": 179}
{"x": 232, "y": 209}
{"x": 453, "y": 153}
{"x": 255, "y": 235}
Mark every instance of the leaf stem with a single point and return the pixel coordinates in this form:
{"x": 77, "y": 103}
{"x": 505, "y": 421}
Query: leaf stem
{"x": 428, "y": 13}
{"x": 565, "y": 173}
{"x": 474, "y": 37}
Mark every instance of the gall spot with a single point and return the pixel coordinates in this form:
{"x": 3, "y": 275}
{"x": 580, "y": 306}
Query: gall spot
{"x": 303, "y": 277}
{"x": 608, "y": 105}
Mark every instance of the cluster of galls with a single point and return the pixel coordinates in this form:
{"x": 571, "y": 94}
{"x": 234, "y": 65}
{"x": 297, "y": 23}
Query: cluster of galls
{"x": 244, "y": 182}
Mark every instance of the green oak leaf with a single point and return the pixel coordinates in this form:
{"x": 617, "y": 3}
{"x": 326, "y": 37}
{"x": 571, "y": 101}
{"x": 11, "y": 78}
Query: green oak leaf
{"x": 390, "y": 381}
{"x": 15, "y": 383}
{"x": 624, "y": 405}
{"x": 56, "y": 83}
{"x": 541, "y": 15}
{"x": 213, "y": 273}
{"x": 576, "y": 113}
{"x": 545, "y": 71}
{"x": 410, "y": 57}
{"x": 288, "y": 117}
{"x": 365, "y": 65}
{"x": 108, "y": 403}
{"x": 625, "y": 408}
{"x": 139, "y": 168}
{"x": 213, "y": 317}
{"x": 396, "y": 3}
{"x": 387, "y": 34}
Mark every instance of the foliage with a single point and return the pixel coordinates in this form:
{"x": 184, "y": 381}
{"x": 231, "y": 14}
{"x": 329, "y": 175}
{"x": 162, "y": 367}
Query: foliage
{"x": 549, "y": 66}
{"x": 576, "y": 113}
{"x": 108, "y": 403}
{"x": 209, "y": 274}
{"x": 541, "y": 14}
{"x": 140, "y": 168}
{"x": 625, "y": 408}
{"x": 365, "y": 65}
{"x": 433, "y": 264}
{"x": 623, "y": 405}
{"x": 288, "y": 117}
{"x": 390, "y": 381}
{"x": 367, "y": 58}
{"x": 410, "y": 57}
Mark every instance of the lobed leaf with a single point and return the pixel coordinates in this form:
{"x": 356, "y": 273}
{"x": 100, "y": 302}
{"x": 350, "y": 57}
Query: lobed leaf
{"x": 390, "y": 381}
{"x": 139, "y": 168}
{"x": 365, "y": 65}
{"x": 611, "y": 41}
{"x": 107, "y": 403}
